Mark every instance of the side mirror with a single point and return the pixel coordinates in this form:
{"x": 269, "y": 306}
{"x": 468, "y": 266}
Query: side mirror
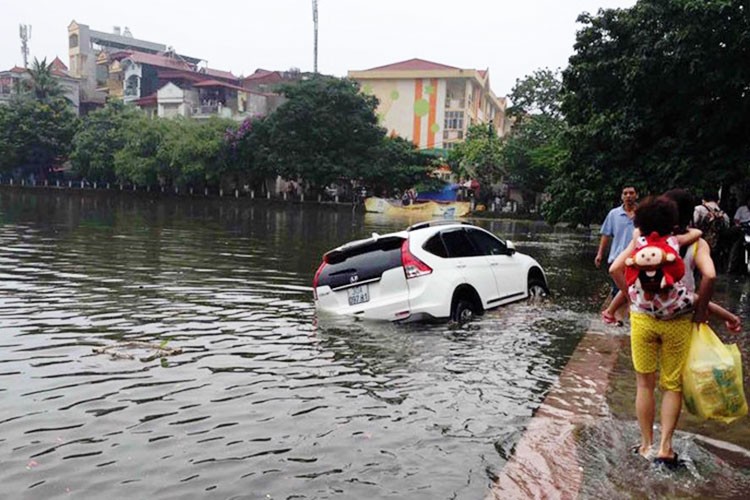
{"x": 511, "y": 247}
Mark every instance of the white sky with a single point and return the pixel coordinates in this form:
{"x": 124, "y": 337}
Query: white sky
{"x": 510, "y": 37}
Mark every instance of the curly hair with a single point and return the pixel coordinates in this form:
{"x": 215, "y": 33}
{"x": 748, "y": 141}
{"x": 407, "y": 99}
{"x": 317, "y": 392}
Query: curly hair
{"x": 658, "y": 214}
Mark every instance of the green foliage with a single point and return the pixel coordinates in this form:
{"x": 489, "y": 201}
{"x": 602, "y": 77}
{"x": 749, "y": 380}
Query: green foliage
{"x": 100, "y": 137}
{"x": 194, "y": 153}
{"x": 656, "y": 94}
{"x": 140, "y": 160}
{"x": 326, "y": 131}
{"x": 44, "y": 86}
{"x": 535, "y": 147}
{"x": 35, "y": 135}
{"x": 399, "y": 165}
{"x": 479, "y": 157}
{"x": 537, "y": 94}
{"x": 151, "y": 152}
{"x": 248, "y": 147}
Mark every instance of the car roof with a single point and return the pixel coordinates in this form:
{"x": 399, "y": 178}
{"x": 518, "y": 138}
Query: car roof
{"x": 441, "y": 223}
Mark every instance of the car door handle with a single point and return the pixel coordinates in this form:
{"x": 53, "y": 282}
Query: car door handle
{"x": 494, "y": 264}
{"x": 460, "y": 266}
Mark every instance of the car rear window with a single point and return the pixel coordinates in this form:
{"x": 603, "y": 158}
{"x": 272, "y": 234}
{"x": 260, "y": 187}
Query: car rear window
{"x": 360, "y": 263}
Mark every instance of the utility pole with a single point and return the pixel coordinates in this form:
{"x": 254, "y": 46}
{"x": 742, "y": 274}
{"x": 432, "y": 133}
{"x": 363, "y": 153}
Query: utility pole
{"x": 315, "y": 47}
{"x": 24, "y": 31}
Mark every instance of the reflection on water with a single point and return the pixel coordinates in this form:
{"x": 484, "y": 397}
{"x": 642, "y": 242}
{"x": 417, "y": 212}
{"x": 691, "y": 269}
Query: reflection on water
{"x": 266, "y": 400}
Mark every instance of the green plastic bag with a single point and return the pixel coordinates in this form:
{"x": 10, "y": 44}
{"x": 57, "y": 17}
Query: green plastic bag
{"x": 712, "y": 378}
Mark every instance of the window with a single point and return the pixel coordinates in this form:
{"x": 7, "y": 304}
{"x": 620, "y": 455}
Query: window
{"x": 131, "y": 86}
{"x": 487, "y": 244}
{"x": 458, "y": 244}
{"x": 73, "y": 41}
{"x": 102, "y": 74}
{"x": 454, "y": 120}
{"x": 436, "y": 246}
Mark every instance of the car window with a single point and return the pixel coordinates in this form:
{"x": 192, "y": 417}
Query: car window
{"x": 458, "y": 244}
{"x": 436, "y": 246}
{"x": 362, "y": 262}
{"x": 486, "y": 243}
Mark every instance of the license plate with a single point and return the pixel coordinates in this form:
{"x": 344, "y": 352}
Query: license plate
{"x": 358, "y": 294}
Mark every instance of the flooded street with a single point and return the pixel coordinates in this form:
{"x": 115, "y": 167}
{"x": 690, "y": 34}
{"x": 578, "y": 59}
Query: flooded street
{"x": 261, "y": 398}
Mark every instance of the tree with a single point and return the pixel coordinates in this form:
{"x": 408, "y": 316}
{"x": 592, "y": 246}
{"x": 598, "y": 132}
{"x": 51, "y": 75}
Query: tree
{"x": 249, "y": 153}
{"x": 195, "y": 152}
{"x": 325, "y": 131}
{"x": 35, "y": 136}
{"x": 398, "y": 165}
{"x": 44, "y": 85}
{"x": 100, "y": 137}
{"x": 479, "y": 157}
{"x": 655, "y": 95}
{"x": 537, "y": 94}
{"x": 535, "y": 147}
{"x": 140, "y": 160}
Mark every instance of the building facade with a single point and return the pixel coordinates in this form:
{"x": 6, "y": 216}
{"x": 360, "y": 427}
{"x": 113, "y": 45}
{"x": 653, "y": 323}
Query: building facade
{"x": 432, "y": 104}
{"x": 17, "y": 81}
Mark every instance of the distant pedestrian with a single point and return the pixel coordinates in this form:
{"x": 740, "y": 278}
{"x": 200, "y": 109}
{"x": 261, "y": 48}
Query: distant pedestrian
{"x": 617, "y": 229}
{"x": 711, "y": 219}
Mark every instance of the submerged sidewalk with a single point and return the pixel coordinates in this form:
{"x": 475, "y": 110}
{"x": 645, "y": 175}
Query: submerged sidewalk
{"x": 546, "y": 463}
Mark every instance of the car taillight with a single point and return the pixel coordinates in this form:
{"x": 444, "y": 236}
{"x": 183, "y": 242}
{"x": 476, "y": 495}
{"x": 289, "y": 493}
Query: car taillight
{"x": 413, "y": 267}
{"x": 315, "y": 279}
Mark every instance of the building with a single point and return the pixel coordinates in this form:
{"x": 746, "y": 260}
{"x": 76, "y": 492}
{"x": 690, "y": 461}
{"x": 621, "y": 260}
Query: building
{"x": 432, "y": 104}
{"x": 17, "y": 81}
{"x": 90, "y": 60}
{"x": 12, "y": 83}
{"x": 162, "y": 82}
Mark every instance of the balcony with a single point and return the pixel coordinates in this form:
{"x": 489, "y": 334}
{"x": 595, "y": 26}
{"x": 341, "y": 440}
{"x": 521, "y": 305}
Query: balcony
{"x": 207, "y": 109}
{"x": 454, "y": 103}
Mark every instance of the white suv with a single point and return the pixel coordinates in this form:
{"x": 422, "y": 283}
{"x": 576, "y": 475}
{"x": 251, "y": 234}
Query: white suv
{"x": 432, "y": 270}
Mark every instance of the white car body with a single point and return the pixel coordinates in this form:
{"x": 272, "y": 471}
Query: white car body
{"x": 425, "y": 272}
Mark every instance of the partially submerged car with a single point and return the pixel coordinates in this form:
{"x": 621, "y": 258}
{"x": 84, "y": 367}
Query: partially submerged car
{"x": 432, "y": 270}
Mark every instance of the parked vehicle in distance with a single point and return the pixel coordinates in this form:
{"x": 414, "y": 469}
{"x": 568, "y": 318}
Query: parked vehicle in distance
{"x": 432, "y": 270}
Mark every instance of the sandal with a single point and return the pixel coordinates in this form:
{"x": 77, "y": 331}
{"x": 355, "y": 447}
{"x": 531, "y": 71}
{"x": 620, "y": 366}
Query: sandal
{"x": 608, "y": 318}
{"x": 636, "y": 450}
{"x": 669, "y": 462}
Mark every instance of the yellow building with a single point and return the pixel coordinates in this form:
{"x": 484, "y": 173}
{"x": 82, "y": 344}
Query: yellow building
{"x": 432, "y": 104}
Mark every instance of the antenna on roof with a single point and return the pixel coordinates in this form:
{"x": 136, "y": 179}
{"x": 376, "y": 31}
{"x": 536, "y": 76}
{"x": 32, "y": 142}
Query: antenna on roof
{"x": 24, "y": 31}
{"x": 315, "y": 47}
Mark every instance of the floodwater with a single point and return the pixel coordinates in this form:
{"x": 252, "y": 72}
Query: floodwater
{"x": 259, "y": 398}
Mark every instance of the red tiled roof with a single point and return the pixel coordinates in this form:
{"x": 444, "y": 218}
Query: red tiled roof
{"x": 159, "y": 61}
{"x": 18, "y": 69}
{"x": 180, "y": 74}
{"x": 58, "y": 64}
{"x": 217, "y": 83}
{"x": 217, "y": 73}
{"x": 260, "y": 74}
{"x": 149, "y": 100}
{"x": 412, "y": 65}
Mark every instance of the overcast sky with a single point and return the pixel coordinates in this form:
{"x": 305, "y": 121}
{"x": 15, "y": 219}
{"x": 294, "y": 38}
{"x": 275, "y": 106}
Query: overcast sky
{"x": 511, "y": 38}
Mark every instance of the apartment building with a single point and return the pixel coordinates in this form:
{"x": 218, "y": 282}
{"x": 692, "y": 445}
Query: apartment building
{"x": 432, "y": 104}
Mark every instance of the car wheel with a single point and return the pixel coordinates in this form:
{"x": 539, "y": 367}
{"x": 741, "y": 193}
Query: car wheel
{"x": 537, "y": 289}
{"x": 463, "y": 311}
